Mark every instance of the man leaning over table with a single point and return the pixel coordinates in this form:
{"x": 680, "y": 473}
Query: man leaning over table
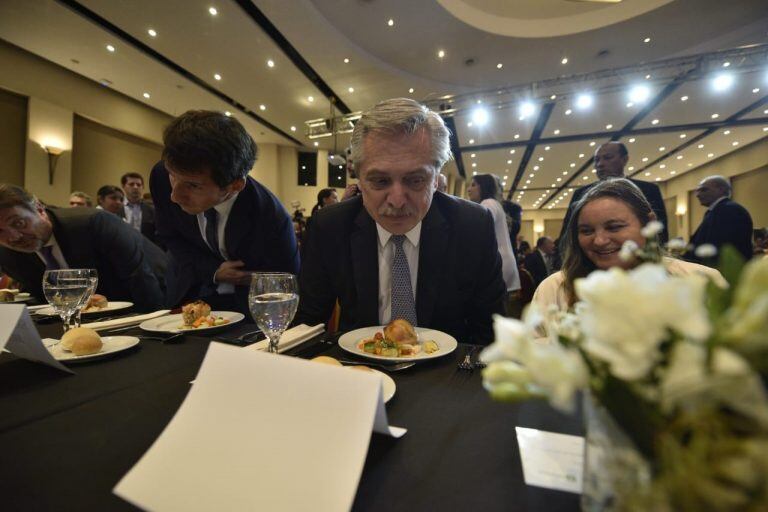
{"x": 401, "y": 249}
{"x": 35, "y": 238}
{"x": 218, "y": 223}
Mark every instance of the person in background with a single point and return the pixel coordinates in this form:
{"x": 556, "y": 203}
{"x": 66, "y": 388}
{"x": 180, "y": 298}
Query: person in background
{"x": 486, "y": 190}
{"x": 110, "y": 199}
{"x": 35, "y": 239}
{"x": 352, "y": 190}
{"x": 218, "y": 223}
{"x": 524, "y": 249}
{"x": 609, "y": 214}
{"x": 402, "y": 250}
{"x": 138, "y": 213}
{"x": 515, "y": 220}
{"x": 79, "y": 199}
{"x": 725, "y": 222}
{"x": 325, "y": 197}
{"x": 760, "y": 241}
{"x": 442, "y": 183}
{"x": 540, "y": 262}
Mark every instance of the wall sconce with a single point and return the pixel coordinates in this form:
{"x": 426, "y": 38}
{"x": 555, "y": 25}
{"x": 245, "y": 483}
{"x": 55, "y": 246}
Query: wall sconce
{"x": 53, "y": 157}
{"x": 680, "y": 213}
{"x": 538, "y": 228}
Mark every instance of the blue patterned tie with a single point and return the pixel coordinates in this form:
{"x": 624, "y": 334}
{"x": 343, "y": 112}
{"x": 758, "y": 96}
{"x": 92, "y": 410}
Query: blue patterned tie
{"x": 50, "y": 260}
{"x": 403, "y": 303}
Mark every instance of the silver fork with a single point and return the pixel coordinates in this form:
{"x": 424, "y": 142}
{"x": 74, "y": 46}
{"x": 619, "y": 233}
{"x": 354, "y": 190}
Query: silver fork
{"x": 466, "y": 364}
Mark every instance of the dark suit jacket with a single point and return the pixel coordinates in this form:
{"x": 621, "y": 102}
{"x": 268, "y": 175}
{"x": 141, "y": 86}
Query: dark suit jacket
{"x": 130, "y": 267}
{"x": 459, "y": 282}
{"x": 650, "y": 191}
{"x": 534, "y": 263}
{"x": 259, "y": 232}
{"x": 728, "y": 223}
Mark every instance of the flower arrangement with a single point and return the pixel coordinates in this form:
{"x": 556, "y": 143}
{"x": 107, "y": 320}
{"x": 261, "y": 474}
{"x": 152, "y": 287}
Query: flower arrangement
{"x": 677, "y": 362}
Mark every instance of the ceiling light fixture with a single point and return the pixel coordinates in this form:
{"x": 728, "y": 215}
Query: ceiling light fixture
{"x": 440, "y": 54}
{"x": 499, "y": 65}
{"x": 471, "y": 141}
{"x": 639, "y": 93}
{"x": 270, "y": 63}
{"x": 556, "y": 132}
{"x": 152, "y": 32}
{"x": 682, "y": 135}
{"x": 647, "y": 40}
{"x": 217, "y": 76}
{"x": 227, "y": 113}
{"x": 310, "y": 99}
{"x": 715, "y": 116}
{"x": 655, "y": 121}
{"x": 346, "y": 61}
{"x": 146, "y": 95}
{"x": 262, "y": 107}
{"x": 564, "y": 61}
{"x": 527, "y": 109}
{"x": 293, "y": 128}
{"x": 722, "y": 82}
{"x": 584, "y": 101}
{"x": 316, "y": 143}
{"x": 568, "y": 112}
{"x": 213, "y": 11}
{"x": 351, "y": 90}
{"x": 410, "y": 91}
{"x": 391, "y": 22}
{"x": 110, "y": 48}
{"x": 631, "y": 140}
{"x": 480, "y": 116}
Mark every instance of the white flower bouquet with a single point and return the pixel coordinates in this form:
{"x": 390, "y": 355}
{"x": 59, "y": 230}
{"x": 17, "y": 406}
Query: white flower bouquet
{"x": 678, "y": 362}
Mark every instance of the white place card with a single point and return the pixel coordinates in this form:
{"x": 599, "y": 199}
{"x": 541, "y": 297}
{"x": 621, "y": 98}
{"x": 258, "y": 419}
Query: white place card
{"x": 19, "y": 336}
{"x": 259, "y": 431}
{"x": 550, "y": 460}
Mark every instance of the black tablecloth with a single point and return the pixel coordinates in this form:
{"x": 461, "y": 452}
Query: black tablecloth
{"x": 66, "y": 440}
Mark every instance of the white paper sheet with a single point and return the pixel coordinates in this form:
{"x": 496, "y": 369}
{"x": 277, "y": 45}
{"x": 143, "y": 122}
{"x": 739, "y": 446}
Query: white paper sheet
{"x": 19, "y": 335}
{"x": 550, "y": 460}
{"x": 259, "y": 431}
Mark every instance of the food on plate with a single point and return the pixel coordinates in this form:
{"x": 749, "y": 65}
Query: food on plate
{"x": 7, "y": 296}
{"x": 399, "y": 339}
{"x": 97, "y": 303}
{"x": 198, "y": 314}
{"x": 327, "y": 360}
{"x": 81, "y": 341}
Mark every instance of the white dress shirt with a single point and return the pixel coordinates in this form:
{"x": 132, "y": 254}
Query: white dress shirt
{"x": 133, "y": 214}
{"x": 222, "y": 209}
{"x": 57, "y": 254}
{"x": 386, "y": 257}
{"x": 508, "y": 263}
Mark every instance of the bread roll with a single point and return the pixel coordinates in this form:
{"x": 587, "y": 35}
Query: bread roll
{"x": 81, "y": 341}
{"x": 327, "y": 360}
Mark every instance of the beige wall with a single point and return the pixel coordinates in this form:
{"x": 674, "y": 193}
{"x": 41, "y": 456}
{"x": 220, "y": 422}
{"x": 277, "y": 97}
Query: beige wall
{"x": 13, "y": 134}
{"x": 48, "y": 125}
{"x": 751, "y": 160}
{"x": 545, "y": 222}
{"x": 670, "y": 205}
{"x": 526, "y": 230}
{"x": 101, "y": 155}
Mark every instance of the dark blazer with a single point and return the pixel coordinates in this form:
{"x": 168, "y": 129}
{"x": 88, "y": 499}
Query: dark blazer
{"x": 130, "y": 267}
{"x": 148, "y": 228}
{"x": 534, "y": 263}
{"x": 259, "y": 232}
{"x": 650, "y": 191}
{"x": 728, "y": 223}
{"x": 459, "y": 282}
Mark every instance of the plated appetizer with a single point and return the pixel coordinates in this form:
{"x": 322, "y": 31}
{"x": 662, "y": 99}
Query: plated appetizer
{"x": 398, "y": 339}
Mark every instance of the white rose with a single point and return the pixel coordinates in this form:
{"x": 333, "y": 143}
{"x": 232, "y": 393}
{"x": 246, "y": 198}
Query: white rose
{"x": 652, "y": 229}
{"x": 705, "y": 251}
{"x": 676, "y": 244}
{"x": 628, "y": 250}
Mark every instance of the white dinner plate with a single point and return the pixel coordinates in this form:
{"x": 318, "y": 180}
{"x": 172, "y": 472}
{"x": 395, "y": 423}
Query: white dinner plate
{"x": 112, "y": 344}
{"x": 388, "y": 387}
{"x": 111, "y": 306}
{"x": 175, "y": 323}
{"x": 446, "y": 342}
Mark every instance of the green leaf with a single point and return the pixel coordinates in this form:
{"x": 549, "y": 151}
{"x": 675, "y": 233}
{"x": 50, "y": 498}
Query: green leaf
{"x": 731, "y": 264}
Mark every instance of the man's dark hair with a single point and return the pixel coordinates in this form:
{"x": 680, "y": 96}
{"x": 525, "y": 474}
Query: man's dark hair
{"x": 622, "y": 148}
{"x": 201, "y": 140}
{"x": 107, "y": 190}
{"x": 541, "y": 241}
{"x": 11, "y": 195}
{"x": 134, "y": 175}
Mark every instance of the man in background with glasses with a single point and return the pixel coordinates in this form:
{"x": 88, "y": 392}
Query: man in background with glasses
{"x": 34, "y": 239}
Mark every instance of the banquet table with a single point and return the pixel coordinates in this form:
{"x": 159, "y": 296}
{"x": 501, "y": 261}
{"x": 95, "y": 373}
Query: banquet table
{"x": 66, "y": 440}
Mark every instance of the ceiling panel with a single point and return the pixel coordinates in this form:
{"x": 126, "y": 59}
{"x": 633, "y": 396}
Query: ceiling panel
{"x": 608, "y": 112}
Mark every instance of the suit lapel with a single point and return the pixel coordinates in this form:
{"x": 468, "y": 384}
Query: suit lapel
{"x": 365, "y": 268}
{"x": 433, "y": 245}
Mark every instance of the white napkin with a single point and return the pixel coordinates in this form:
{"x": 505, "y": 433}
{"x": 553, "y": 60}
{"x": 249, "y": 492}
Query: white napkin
{"x": 291, "y": 338}
{"x": 125, "y": 322}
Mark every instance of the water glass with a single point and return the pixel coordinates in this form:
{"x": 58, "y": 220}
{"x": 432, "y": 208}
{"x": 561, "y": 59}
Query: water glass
{"x": 93, "y": 277}
{"x": 273, "y": 299}
{"x": 65, "y": 290}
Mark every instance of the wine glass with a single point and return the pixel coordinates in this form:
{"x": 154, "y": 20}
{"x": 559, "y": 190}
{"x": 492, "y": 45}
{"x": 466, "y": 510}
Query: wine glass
{"x": 273, "y": 300}
{"x": 93, "y": 278}
{"x": 64, "y": 290}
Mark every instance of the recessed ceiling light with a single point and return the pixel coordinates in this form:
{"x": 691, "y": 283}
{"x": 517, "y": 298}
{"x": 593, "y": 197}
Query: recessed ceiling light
{"x": 440, "y": 54}
{"x": 682, "y": 135}
{"x": 662, "y": 148}
{"x": 755, "y": 90}
{"x": 568, "y": 112}
{"x": 710, "y": 155}
{"x": 663, "y": 166}
{"x": 701, "y": 146}
{"x": 152, "y": 32}
{"x": 564, "y": 61}
{"x": 647, "y": 40}
{"x": 472, "y": 155}
{"x": 645, "y": 159}
{"x": 658, "y": 179}
{"x": 536, "y": 167}
{"x": 217, "y": 76}
{"x": 632, "y": 140}
{"x": 585, "y": 178}
{"x": 672, "y": 172}
{"x": 727, "y": 132}
{"x": 655, "y": 121}
{"x": 722, "y": 81}
{"x": 474, "y": 173}
{"x": 592, "y": 144}
{"x": 317, "y": 143}
{"x": 553, "y": 97}
{"x": 509, "y": 162}
{"x": 471, "y": 141}
{"x": 647, "y": 77}
{"x": 310, "y": 99}
{"x": 146, "y": 95}
{"x": 505, "y": 177}
{"x": 213, "y": 11}
{"x": 410, "y": 90}
{"x": 726, "y": 64}
{"x": 527, "y": 182}
{"x": 647, "y": 174}
{"x": 511, "y": 151}
{"x": 474, "y": 164}
{"x": 556, "y": 132}
{"x": 346, "y": 61}
{"x": 679, "y": 157}
{"x": 565, "y": 173}
{"x": 541, "y": 159}
{"x": 559, "y": 180}
{"x": 391, "y": 22}
{"x": 499, "y": 65}
{"x": 631, "y": 168}
{"x": 270, "y": 63}
{"x": 351, "y": 90}
{"x": 608, "y": 126}
{"x": 547, "y": 148}
{"x": 517, "y": 136}
{"x": 110, "y": 48}
{"x": 526, "y": 109}
{"x": 584, "y": 101}
{"x": 573, "y": 164}
{"x": 715, "y": 116}
{"x": 735, "y": 143}
{"x": 630, "y": 105}
{"x": 262, "y": 107}
{"x": 293, "y": 128}
{"x": 228, "y": 113}
{"x": 639, "y": 93}
{"x": 530, "y": 175}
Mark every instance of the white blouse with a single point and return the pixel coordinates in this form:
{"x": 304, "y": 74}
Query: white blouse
{"x": 508, "y": 263}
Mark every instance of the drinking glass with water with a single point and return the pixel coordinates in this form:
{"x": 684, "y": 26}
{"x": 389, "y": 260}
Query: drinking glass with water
{"x": 67, "y": 290}
{"x": 273, "y": 299}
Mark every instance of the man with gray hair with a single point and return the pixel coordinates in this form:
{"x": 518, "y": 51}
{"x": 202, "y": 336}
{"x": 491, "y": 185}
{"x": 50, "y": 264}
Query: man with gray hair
{"x": 725, "y": 222}
{"x": 401, "y": 249}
